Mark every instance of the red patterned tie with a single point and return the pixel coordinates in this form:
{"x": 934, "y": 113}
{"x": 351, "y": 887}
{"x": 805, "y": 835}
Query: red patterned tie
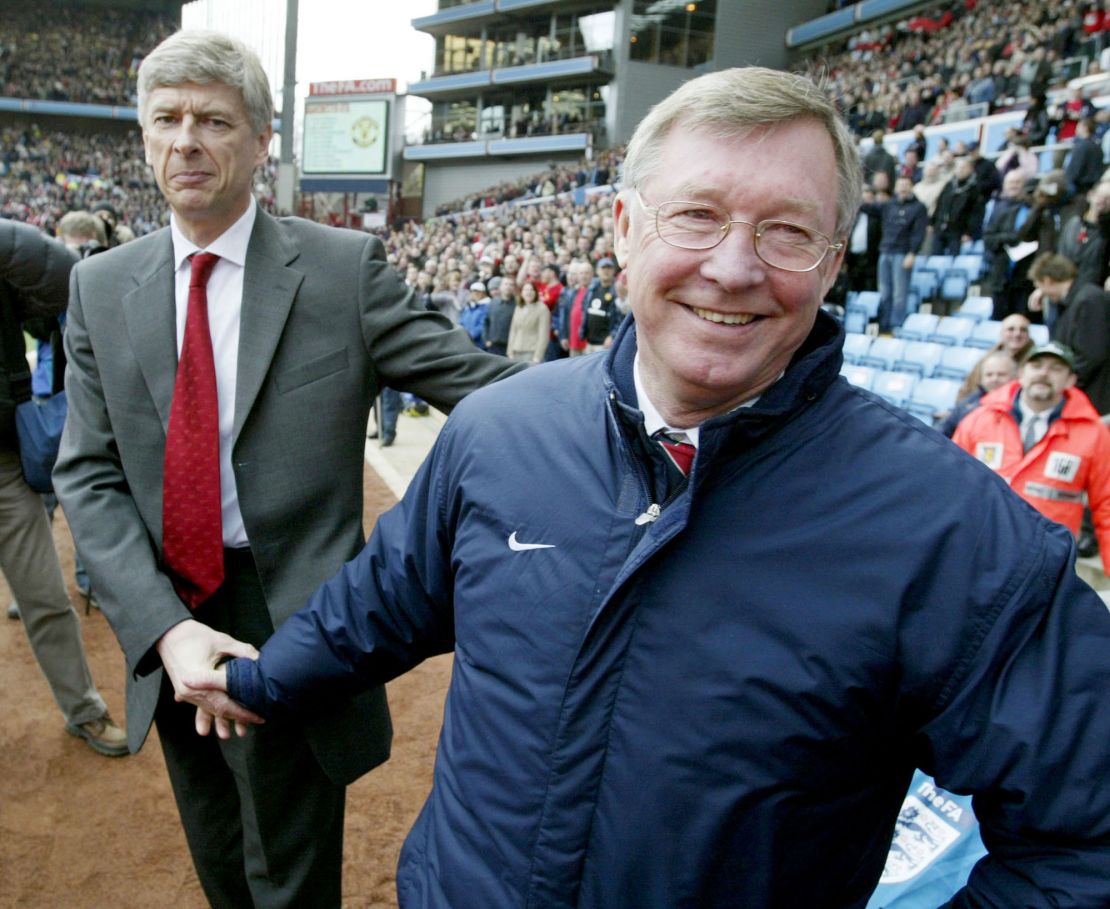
{"x": 192, "y": 527}
{"x": 680, "y": 453}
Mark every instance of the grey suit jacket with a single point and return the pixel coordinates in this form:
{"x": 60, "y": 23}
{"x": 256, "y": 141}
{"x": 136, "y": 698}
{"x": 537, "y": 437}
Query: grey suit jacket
{"x": 325, "y": 321}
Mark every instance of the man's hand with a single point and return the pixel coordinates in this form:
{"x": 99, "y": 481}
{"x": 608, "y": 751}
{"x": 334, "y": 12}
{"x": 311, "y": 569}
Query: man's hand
{"x": 1035, "y": 303}
{"x": 908, "y": 261}
{"x": 189, "y": 650}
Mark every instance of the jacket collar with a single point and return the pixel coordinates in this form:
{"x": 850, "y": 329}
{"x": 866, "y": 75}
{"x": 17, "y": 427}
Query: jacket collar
{"x": 1075, "y": 406}
{"x": 813, "y": 369}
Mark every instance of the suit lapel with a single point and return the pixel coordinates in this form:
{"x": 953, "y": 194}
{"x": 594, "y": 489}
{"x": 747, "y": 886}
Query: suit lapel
{"x": 269, "y": 288}
{"x": 150, "y": 313}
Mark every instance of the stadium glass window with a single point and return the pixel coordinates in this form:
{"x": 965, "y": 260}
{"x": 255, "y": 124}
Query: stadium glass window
{"x": 460, "y": 54}
{"x": 453, "y": 121}
{"x": 673, "y": 32}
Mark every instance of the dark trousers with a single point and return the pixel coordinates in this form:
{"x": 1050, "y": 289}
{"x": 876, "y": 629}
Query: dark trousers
{"x": 263, "y": 822}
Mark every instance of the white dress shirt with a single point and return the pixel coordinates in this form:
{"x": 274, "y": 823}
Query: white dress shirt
{"x": 653, "y": 420}
{"x": 225, "y": 302}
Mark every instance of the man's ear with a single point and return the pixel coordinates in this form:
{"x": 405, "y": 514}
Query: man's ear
{"x": 831, "y": 268}
{"x": 264, "y": 139}
{"x": 620, "y": 229}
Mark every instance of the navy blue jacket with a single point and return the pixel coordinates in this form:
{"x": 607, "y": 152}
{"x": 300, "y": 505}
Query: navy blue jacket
{"x": 724, "y": 706}
{"x": 903, "y": 224}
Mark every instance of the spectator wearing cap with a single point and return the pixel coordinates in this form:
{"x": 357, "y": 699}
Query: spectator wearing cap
{"x": 601, "y": 318}
{"x": 473, "y": 315}
{"x": 1083, "y": 325}
{"x": 1044, "y": 437}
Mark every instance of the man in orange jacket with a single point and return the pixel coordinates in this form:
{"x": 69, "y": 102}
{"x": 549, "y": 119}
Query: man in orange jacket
{"x": 1044, "y": 437}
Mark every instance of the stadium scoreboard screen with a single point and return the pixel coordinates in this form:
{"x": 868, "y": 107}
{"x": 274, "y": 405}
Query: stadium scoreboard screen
{"x": 349, "y": 129}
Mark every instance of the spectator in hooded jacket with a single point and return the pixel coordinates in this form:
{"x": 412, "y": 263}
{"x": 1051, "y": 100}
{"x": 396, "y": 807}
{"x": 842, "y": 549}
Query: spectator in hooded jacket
{"x": 1043, "y": 436}
{"x": 766, "y": 601}
{"x": 473, "y": 316}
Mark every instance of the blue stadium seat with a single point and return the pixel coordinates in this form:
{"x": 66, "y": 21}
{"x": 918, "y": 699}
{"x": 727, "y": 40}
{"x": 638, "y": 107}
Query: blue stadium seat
{"x": 926, "y": 282}
{"x": 952, "y": 330}
{"x": 862, "y": 376}
{"x": 957, "y": 362}
{"x": 855, "y": 346}
{"x": 984, "y": 335}
{"x": 977, "y": 308}
{"x": 895, "y": 387}
{"x": 972, "y": 263}
{"x": 883, "y": 353}
{"x": 932, "y": 397}
{"x": 920, "y": 357}
{"x": 855, "y": 321}
{"x": 867, "y": 302}
{"x": 1039, "y": 334}
{"x": 939, "y": 264}
{"x": 917, "y": 327}
{"x": 954, "y": 285}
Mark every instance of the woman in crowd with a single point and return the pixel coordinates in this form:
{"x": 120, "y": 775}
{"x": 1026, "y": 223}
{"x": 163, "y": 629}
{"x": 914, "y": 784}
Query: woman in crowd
{"x": 531, "y": 326}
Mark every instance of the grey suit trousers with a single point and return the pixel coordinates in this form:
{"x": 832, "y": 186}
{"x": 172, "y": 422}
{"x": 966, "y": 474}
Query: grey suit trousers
{"x": 30, "y": 565}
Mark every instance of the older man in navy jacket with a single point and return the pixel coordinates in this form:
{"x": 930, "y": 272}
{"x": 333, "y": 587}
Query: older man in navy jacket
{"x": 706, "y": 678}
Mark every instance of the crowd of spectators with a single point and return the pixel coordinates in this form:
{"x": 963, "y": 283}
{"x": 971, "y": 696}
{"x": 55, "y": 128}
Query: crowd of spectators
{"x": 553, "y": 181}
{"x": 45, "y": 173}
{"x": 962, "y": 54}
{"x": 45, "y": 56}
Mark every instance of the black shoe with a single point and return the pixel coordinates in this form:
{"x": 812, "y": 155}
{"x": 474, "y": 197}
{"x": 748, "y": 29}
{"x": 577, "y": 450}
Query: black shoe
{"x": 13, "y": 610}
{"x": 1087, "y": 544}
{"x": 388, "y": 440}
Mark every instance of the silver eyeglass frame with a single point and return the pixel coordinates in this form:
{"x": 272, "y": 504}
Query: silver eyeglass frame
{"x": 723, "y": 231}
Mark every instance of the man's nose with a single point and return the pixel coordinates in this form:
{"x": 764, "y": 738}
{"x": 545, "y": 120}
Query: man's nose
{"x": 734, "y": 262}
{"x": 185, "y": 137}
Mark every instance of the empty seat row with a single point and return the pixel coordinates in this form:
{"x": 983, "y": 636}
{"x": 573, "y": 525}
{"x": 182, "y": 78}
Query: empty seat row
{"x": 926, "y": 398}
{"x": 922, "y": 358}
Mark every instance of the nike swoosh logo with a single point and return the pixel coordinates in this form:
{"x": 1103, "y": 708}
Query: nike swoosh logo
{"x": 516, "y": 546}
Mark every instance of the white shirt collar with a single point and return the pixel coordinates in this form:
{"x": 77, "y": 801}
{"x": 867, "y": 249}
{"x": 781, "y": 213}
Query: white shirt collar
{"x": 653, "y": 420}
{"x": 231, "y": 245}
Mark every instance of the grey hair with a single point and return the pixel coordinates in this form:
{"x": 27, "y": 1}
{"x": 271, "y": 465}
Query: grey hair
{"x": 731, "y": 102}
{"x": 200, "y": 56}
{"x": 82, "y": 227}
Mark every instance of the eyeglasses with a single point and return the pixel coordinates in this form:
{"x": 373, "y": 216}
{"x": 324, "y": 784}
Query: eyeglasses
{"x": 780, "y": 244}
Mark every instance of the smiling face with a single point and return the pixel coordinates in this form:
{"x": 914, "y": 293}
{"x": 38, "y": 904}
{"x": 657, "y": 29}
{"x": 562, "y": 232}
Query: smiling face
{"x": 718, "y": 326}
{"x": 200, "y": 143}
{"x": 1015, "y": 333}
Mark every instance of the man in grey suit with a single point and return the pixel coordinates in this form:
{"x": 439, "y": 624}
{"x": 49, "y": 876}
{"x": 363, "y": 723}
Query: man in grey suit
{"x": 304, "y": 323}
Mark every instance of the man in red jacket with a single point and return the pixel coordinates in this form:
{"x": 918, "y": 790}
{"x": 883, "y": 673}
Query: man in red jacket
{"x": 1043, "y": 435}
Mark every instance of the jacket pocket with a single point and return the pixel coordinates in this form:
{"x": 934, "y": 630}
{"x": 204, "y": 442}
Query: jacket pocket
{"x": 318, "y": 368}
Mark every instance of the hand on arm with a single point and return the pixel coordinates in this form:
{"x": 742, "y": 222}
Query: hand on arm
{"x": 190, "y": 653}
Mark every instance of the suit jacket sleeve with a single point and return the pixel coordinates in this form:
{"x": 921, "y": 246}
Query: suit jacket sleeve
{"x": 90, "y": 483}
{"x": 416, "y": 350}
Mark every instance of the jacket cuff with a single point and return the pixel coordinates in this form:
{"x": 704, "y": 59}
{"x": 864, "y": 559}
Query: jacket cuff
{"x": 244, "y": 685}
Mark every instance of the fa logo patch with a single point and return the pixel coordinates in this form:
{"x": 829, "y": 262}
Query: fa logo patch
{"x": 990, "y": 453}
{"x": 1062, "y": 466}
{"x": 920, "y": 836}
